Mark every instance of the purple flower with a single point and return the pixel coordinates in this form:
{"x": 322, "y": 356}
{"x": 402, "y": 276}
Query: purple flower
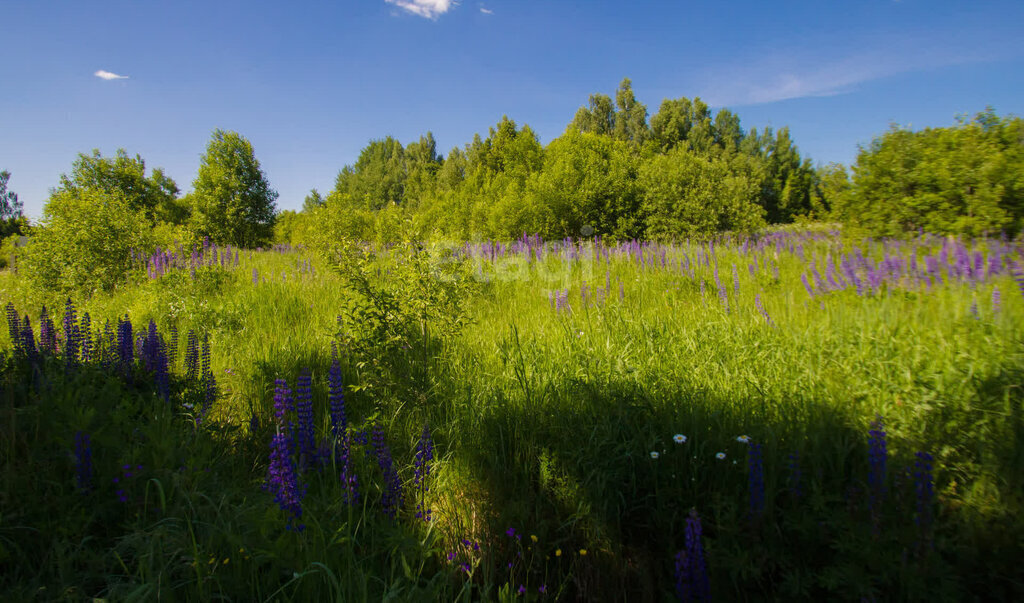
{"x": 83, "y": 461}
{"x": 760, "y": 308}
{"x": 691, "y": 571}
{"x": 85, "y": 332}
{"x": 924, "y": 488}
{"x": 71, "y": 335}
{"x": 995, "y": 300}
{"x": 421, "y": 464}
{"x": 304, "y": 411}
{"x": 125, "y": 349}
{"x": 755, "y": 479}
{"x": 282, "y": 477}
{"x": 192, "y": 357}
{"x": 47, "y": 337}
{"x": 877, "y": 460}
{"x": 391, "y": 495}
{"x": 336, "y": 394}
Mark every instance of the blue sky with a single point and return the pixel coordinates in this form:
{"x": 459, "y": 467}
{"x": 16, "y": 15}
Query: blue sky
{"x": 310, "y": 83}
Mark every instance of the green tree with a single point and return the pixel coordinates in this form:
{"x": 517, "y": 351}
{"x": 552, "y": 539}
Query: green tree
{"x": 422, "y": 164}
{"x": 155, "y": 195}
{"x": 631, "y": 119}
{"x": 599, "y": 118}
{"x": 232, "y": 200}
{"x": 378, "y": 176}
{"x": 12, "y": 222}
{"x": 965, "y": 179}
{"x": 312, "y": 201}
{"x": 85, "y": 239}
{"x": 588, "y": 185}
{"x": 690, "y": 194}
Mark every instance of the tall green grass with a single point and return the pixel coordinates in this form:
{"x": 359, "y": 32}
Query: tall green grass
{"x": 544, "y": 421}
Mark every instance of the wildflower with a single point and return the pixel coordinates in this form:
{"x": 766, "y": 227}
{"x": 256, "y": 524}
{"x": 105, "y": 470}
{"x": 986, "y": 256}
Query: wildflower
{"x": 304, "y": 410}
{"x": 583, "y": 552}
{"x": 691, "y": 571}
{"x": 558, "y": 552}
{"x": 743, "y": 439}
{"x": 679, "y": 438}
{"x": 720, "y": 456}
{"x": 336, "y": 394}
{"x": 924, "y": 488}
{"x": 282, "y": 477}
{"x": 542, "y": 589}
{"x": 755, "y": 479}
{"x": 654, "y": 454}
{"x": 877, "y": 456}
{"x": 533, "y": 538}
{"x": 391, "y": 497}
{"x": 421, "y": 464}
{"x": 522, "y": 590}
{"x": 83, "y": 461}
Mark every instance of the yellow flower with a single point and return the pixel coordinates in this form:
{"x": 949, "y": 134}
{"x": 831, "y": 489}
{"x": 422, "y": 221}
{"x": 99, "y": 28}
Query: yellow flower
{"x": 226, "y": 560}
{"x": 533, "y": 538}
{"x": 558, "y": 552}
{"x": 583, "y": 551}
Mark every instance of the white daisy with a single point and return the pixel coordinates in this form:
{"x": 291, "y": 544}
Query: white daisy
{"x": 743, "y": 439}
{"x": 720, "y": 456}
{"x": 654, "y": 454}
{"x": 679, "y": 438}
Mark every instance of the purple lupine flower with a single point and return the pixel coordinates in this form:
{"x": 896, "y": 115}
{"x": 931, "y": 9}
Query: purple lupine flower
{"x": 161, "y": 372}
{"x": 755, "y": 479}
{"x": 735, "y": 279}
{"x": 391, "y": 490}
{"x": 282, "y": 477}
{"x": 925, "y": 490}
{"x": 172, "y": 350}
{"x": 14, "y": 327}
{"x": 83, "y": 462}
{"x": 795, "y": 476}
{"x": 255, "y": 277}
{"x": 192, "y": 357}
{"x": 995, "y": 300}
{"x": 421, "y": 464}
{"x": 107, "y": 347}
{"x": 348, "y": 478}
{"x": 306, "y": 444}
{"x": 28, "y": 340}
{"x": 125, "y": 349}
{"x": 85, "y": 330}
{"x": 151, "y": 347}
{"x": 877, "y": 461}
{"x": 47, "y": 337}
{"x": 974, "y": 309}
{"x": 691, "y": 571}
{"x": 71, "y": 335}
{"x": 1018, "y": 276}
{"x": 208, "y": 383}
{"x": 807, "y": 285}
{"x": 760, "y": 308}
{"x": 336, "y": 394}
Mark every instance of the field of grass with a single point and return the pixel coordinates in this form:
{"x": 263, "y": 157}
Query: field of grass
{"x": 790, "y": 417}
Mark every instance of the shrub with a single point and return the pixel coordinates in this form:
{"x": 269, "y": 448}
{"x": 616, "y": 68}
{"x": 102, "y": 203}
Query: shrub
{"x": 85, "y": 241}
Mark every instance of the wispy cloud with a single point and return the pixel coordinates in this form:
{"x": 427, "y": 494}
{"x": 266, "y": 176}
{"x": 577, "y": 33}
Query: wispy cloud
{"x": 486, "y": 11}
{"x": 106, "y": 75}
{"x": 428, "y": 9}
{"x": 784, "y": 76}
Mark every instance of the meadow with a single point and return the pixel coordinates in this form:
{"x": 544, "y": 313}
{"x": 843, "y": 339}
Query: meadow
{"x": 797, "y": 415}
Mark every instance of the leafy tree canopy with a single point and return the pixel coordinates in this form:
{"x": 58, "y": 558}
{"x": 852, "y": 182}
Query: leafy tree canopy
{"x": 232, "y": 199}
{"x": 155, "y": 194}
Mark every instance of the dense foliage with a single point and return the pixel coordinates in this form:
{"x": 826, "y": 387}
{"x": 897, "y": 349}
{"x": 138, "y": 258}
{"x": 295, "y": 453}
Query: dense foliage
{"x": 85, "y": 241}
{"x": 966, "y": 179}
{"x": 232, "y": 202}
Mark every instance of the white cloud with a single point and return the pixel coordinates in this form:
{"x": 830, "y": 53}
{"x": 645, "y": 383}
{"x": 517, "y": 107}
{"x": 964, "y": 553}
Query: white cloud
{"x": 486, "y": 11}
{"x": 429, "y": 9}
{"x": 784, "y": 74}
{"x": 106, "y": 75}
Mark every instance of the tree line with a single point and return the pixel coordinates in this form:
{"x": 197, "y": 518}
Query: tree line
{"x": 683, "y": 173}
